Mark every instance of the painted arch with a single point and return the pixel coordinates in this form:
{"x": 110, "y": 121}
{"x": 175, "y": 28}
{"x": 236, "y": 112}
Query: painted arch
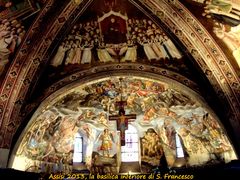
{"x": 162, "y": 106}
{"x": 197, "y": 41}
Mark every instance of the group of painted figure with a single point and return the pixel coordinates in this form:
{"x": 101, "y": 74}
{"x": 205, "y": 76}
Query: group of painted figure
{"x": 86, "y": 44}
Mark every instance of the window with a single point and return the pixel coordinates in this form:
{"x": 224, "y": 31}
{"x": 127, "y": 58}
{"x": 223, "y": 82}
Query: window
{"x": 130, "y": 151}
{"x": 179, "y": 147}
{"x": 78, "y": 149}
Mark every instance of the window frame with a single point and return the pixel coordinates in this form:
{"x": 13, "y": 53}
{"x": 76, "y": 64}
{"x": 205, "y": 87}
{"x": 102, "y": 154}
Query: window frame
{"x": 75, "y": 152}
{"x": 129, "y": 143}
{"x": 179, "y": 147}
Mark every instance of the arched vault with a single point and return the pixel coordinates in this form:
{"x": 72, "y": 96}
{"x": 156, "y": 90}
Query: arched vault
{"x": 55, "y": 20}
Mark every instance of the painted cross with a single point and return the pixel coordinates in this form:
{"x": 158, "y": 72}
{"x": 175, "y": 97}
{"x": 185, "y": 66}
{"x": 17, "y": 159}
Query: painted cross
{"x": 122, "y": 120}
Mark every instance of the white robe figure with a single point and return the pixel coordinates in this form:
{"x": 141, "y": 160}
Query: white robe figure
{"x": 155, "y": 47}
{"x": 130, "y": 51}
{"x": 149, "y": 51}
{"x": 59, "y": 57}
{"x": 87, "y": 55}
{"x": 131, "y": 54}
{"x": 159, "y": 41}
{"x": 77, "y": 57}
{"x": 71, "y": 54}
{"x": 164, "y": 53}
{"x": 104, "y": 56}
{"x": 157, "y": 50}
{"x": 172, "y": 49}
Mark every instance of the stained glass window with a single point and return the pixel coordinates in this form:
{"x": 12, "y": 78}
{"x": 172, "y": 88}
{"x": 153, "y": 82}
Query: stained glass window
{"x": 130, "y": 151}
{"x": 78, "y": 149}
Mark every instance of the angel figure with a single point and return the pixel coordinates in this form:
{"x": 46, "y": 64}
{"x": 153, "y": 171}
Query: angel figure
{"x": 107, "y": 140}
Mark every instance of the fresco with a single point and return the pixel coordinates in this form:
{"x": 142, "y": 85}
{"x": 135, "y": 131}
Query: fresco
{"x": 151, "y": 150}
{"x": 115, "y": 31}
{"x": 104, "y": 156}
{"x": 114, "y": 38}
{"x": 227, "y": 11}
{"x": 11, "y": 35}
{"x": 226, "y": 17}
{"x": 230, "y": 37}
{"x": 161, "y": 111}
{"x": 14, "y": 21}
{"x": 19, "y": 8}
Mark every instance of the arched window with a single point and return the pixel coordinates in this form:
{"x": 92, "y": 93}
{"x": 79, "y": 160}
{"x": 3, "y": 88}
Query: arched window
{"x": 78, "y": 149}
{"x": 130, "y": 152}
{"x": 179, "y": 148}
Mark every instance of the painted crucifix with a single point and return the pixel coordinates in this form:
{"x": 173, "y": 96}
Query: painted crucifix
{"x": 122, "y": 120}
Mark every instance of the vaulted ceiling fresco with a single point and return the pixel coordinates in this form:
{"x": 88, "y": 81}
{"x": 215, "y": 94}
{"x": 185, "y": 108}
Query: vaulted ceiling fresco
{"x": 115, "y": 32}
{"x": 15, "y": 18}
{"x": 137, "y": 30}
{"x": 116, "y": 37}
{"x": 222, "y": 17}
{"x": 161, "y": 111}
{"x": 46, "y": 46}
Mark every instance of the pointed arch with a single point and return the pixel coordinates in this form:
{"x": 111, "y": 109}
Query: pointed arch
{"x": 24, "y": 70}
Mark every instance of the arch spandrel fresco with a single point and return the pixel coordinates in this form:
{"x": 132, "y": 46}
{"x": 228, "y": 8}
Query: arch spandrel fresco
{"x": 223, "y": 17}
{"x": 115, "y": 32}
{"x": 15, "y": 19}
{"x": 162, "y": 111}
